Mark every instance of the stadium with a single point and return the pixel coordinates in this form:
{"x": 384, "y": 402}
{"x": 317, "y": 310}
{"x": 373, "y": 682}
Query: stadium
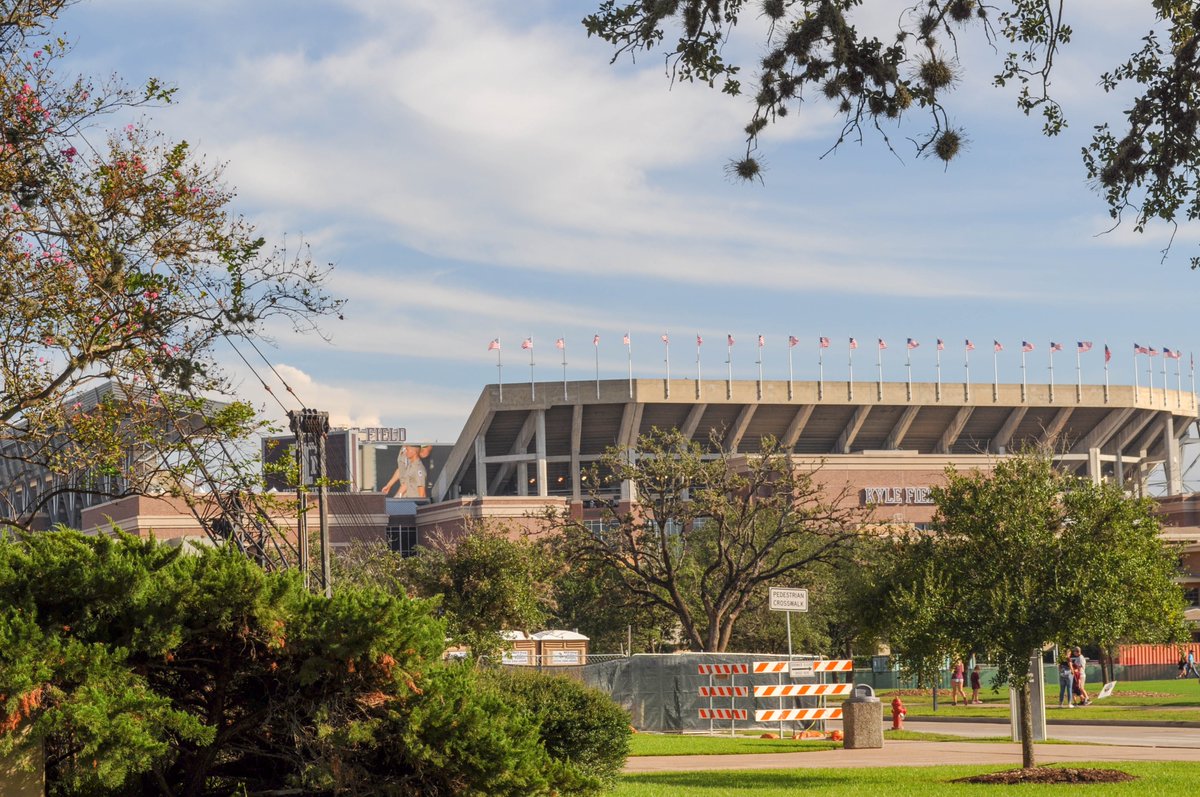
{"x": 527, "y": 446}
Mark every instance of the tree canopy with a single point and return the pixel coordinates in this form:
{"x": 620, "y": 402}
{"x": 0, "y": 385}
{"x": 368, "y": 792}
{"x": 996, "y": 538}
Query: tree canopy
{"x": 1026, "y": 556}
{"x": 142, "y": 669}
{"x": 124, "y": 262}
{"x": 704, "y": 534}
{"x": 813, "y": 50}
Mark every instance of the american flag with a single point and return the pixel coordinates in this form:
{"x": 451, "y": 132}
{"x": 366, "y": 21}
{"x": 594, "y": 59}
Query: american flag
{"x": 1153, "y": 352}
{"x": 792, "y": 340}
{"x": 1082, "y": 346}
{"x": 625, "y": 339}
{"x": 1055, "y": 346}
{"x": 853, "y": 343}
{"x": 971, "y": 346}
{"x": 1107, "y": 354}
{"x": 761, "y": 342}
{"x": 941, "y": 345}
{"x": 1140, "y": 349}
{"x": 823, "y": 342}
{"x": 912, "y": 344}
{"x": 595, "y": 340}
{"x": 729, "y": 340}
{"x": 527, "y": 343}
{"x": 1173, "y": 355}
{"x": 882, "y": 344}
{"x": 1026, "y": 346}
{"x": 494, "y": 345}
{"x": 997, "y": 346}
{"x": 666, "y": 340}
{"x": 560, "y": 344}
{"x": 699, "y": 340}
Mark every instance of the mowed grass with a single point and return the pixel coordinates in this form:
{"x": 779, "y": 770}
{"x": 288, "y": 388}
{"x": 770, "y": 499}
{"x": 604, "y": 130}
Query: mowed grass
{"x": 1180, "y": 702}
{"x": 1153, "y": 779}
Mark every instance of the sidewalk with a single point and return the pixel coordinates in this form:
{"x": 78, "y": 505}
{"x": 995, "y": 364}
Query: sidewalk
{"x": 911, "y": 754}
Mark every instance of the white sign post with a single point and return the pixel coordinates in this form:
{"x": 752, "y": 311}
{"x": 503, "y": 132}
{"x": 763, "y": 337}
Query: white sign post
{"x": 786, "y": 599}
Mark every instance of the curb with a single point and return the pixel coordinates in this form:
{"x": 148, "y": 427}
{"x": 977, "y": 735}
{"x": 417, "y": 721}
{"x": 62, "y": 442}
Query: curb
{"x": 1101, "y": 723}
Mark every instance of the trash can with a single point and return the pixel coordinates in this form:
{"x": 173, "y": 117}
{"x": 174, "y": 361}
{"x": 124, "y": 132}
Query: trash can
{"x": 862, "y": 719}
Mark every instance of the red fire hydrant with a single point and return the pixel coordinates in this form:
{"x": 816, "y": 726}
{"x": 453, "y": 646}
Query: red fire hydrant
{"x": 898, "y": 713}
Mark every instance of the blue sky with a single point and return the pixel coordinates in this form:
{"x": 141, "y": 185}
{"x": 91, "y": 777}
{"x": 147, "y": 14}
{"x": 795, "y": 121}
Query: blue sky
{"x": 476, "y": 169}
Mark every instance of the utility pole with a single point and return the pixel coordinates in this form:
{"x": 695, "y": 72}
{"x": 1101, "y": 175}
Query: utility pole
{"x": 311, "y": 428}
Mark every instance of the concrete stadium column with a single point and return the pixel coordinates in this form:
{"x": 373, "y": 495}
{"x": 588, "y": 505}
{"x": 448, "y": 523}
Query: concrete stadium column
{"x": 1171, "y": 458}
{"x": 1120, "y": 469}
{"x": 576, "y": 437}
{"x": 543, "y": 476}
{"x": 480, "y": 467}
{"x": 1093, "y": 465}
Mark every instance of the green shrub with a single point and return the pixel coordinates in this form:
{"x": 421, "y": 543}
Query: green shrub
{"x": 577, "y": 724}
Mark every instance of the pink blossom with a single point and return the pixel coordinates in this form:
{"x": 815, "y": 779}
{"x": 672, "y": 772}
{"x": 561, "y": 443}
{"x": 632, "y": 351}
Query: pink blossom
{"x": 37, "y": 54}
{"x": 69, "y": 153}
{"x": 95, "y": 319}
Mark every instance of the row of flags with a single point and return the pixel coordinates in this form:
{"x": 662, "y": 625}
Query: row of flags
{"x": 1081, "y": 346}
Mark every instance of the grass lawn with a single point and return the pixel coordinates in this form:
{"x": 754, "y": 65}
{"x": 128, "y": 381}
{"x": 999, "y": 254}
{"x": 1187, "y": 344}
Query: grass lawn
{"x": 1154, "y": 779}
{"x": 1176, "y": 700}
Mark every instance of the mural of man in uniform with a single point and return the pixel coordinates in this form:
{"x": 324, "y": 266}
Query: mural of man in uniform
{"x": 411, "y": 473}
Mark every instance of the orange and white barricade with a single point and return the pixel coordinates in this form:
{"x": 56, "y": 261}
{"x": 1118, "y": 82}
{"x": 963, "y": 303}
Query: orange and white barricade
{"x": 724, "y": 714}
{"x": 803, "y": 690}
{"x": 797, "y": 714}
{"x": 724, "y": 691}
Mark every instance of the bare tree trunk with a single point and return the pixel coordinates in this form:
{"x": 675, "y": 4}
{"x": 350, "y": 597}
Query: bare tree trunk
{"x": 1025, "y": 711}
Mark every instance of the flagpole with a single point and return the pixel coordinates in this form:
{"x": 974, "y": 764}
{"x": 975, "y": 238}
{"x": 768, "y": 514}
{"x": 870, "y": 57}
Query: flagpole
{"x": 699, "y": 340}
{"x": 879, "y": 365}
{"x": 1192, "y": 368}
{"x": 790, "y": 347}
{"x": 967, "y": 371}
{"x": 629, "y": 352}
{"x": 938, "y": 356}
{"x": 821, "y": 371}
{"x": 499, "y": 371}
{"x": 729, "y": 366}
{"x": 666, "y": 339}
{"x": 1106, "y": 359}
{"x": 850, "y": 371}
{"x": 532, "y": 389}
{"x": 1079, "y": 376}
{"x": 995, "y": 373}
{"x": 564, "y": 364}
{"x": 596, "y": 346}
{"x": 760, "y": 382}
{"x": 1050, "y": 354}
{"x": 908, "y": 367}
{"x": 1022, "y": 373}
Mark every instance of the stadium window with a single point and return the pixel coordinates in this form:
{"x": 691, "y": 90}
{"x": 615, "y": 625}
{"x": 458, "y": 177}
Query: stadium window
{"x": 402, "y": 539}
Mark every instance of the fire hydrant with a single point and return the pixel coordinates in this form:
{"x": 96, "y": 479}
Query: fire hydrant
{"x": 898, "y": 712}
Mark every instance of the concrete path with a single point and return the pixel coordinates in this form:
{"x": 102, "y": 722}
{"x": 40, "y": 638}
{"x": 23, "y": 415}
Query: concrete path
{"x": 897, "y": 754}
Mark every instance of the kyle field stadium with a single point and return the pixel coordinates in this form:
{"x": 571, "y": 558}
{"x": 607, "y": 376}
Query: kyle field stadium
{"x": 525, "y": 447}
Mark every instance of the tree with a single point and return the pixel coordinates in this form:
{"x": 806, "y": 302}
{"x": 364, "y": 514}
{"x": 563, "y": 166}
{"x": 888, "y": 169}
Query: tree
{"x": 145, "y": 670}
{"x": 812, "y": 50}
{"x": 1026, "y": 556}
{"x": 488, "y": 581}
{"x": 123, "y": 262}
{"x": 704, "y": 533}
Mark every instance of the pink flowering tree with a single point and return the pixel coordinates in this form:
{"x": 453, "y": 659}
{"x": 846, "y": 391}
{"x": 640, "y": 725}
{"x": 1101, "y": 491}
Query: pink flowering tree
{"x": 123, "y": 264}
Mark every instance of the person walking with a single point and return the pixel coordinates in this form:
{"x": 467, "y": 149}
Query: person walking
{"x": 1066, "y": 682}
{"x": 1191, "y": 665}
{"x": 1079, "y": 671}
{"x": 956, "y": 681}
{"x": 975, "y": 701}
{"x": 1182, "y": 667}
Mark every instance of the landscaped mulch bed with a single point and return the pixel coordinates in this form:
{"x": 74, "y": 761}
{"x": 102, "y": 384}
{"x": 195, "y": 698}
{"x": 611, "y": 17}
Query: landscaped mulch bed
{"x": 1051, "y": 775}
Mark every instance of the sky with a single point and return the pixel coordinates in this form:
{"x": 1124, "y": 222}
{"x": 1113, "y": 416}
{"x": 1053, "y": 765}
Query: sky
{"x": 477, "y": 169}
